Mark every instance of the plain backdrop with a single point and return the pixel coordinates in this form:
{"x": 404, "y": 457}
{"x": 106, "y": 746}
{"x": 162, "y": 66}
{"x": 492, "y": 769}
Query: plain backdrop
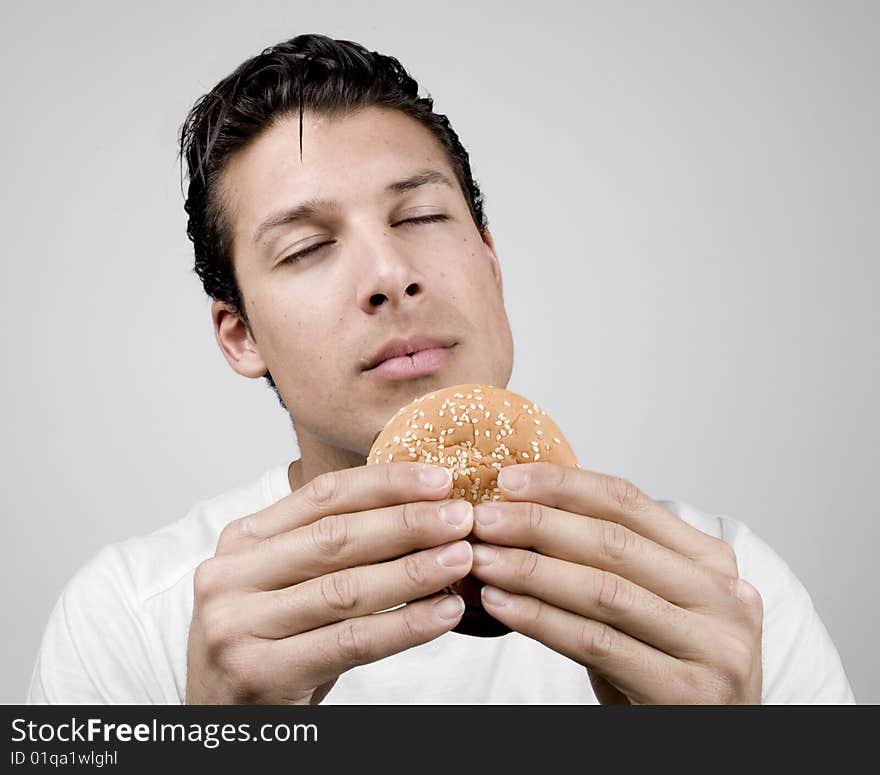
{"x": 684, "y": 199}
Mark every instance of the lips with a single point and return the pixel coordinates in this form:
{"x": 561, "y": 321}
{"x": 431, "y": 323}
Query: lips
{"x": 396, "y": 348}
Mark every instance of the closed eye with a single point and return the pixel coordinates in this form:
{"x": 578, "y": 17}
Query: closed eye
{"x": 425, "y": 219}
{"x": 294, "y": 257}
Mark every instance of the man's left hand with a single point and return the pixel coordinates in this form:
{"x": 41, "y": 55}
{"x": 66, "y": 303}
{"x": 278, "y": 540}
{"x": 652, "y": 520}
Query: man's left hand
{"x": 596, "y": 570}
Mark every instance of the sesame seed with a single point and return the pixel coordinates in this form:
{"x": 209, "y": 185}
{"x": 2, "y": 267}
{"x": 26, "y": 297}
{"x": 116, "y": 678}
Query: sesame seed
{"x": 556, "y": 439}
{"x": 537, "y": 456}
{"x": 507, "y": 403}
{"x": 525, "y": 455}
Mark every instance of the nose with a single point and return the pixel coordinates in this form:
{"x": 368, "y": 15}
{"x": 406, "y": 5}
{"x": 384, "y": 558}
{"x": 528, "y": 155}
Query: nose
{"x": 389, "y": 275}
{"x": 379, "y": 298}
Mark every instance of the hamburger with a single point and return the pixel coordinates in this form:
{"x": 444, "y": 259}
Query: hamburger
{"x": 473, "y": 430}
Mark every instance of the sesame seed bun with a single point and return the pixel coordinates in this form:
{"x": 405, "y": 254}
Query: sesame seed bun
{"x": 474, "y": 430}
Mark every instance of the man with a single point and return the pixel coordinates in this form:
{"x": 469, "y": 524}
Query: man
{"x": 332, "y": 211}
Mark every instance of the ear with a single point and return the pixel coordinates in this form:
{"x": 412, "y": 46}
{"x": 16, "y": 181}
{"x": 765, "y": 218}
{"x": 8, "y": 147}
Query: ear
{"x": 236, "y": 344}
{"x": 496, "y": 267}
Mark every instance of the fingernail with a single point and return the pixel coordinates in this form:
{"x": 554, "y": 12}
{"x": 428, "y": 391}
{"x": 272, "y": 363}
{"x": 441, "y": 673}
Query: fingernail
{"x": 457, "y": 554}
{"x": 484, "y": 555}
{"x": 485, "y": 513}
{"x": 495, "y": 596}
{"x": 449, "y": 607}
{"x": 436, "y": 476}
{"x": 512, "y": 479}
{"x": 455, "y": 512}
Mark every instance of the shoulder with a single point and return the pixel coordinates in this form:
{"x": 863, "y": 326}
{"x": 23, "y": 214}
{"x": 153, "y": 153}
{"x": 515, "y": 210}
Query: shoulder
{"x": 157, "y": 561}
{"x": 109, "y": 632}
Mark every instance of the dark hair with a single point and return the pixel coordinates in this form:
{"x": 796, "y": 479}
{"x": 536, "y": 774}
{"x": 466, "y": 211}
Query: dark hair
{"x": 308, "y": 72}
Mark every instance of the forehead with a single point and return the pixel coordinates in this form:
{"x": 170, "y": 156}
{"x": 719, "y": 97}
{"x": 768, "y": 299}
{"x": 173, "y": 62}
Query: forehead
{"x": 344, "y": 158}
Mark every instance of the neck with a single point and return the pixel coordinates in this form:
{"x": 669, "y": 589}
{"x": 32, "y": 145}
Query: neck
{"x": 317, "y": 458}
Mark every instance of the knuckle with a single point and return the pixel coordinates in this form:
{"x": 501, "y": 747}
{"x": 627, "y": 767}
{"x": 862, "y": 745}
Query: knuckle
{"x": 730, "y": 677}
{"x": 705, "y": 686}
{"x": 536, "y": 517}
{"x": 535, "y": 615}
{"x": 412, "y": 623}
{"x": 323, "y": 489}
{"x": 415, "y": 571}
{"x": 727, "y": 557}
{"x": 610, "y": 592}
{"x": 392, "y": 481}
{"x": 330, "y": 535}
{"x": 246, "y": 674}
{"x": 228, "y": 535}
{"x": 236, "y": 531}
{"x": 625, "y": 494}
{"x": 352, "y": 642}
{"x": 339, "y": 591}
{"x": 217, "y": 629}
{"x": 527, "y": 564}
{"x": 616, "y": 541}
{"x": 596, "y": 639}
{"x": 409, "y": 518}
{"x": 208, "y": 579}
{"x": 739, "y": 657}
{"x": 748, "y": 598}
{"x": 563, "y": 474}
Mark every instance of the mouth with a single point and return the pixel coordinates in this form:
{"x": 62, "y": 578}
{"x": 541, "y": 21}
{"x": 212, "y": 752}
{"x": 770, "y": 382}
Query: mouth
{"x": 416, "y": 363}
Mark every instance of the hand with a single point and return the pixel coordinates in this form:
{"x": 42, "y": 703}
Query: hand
{"x": 596, "y": 570}
{"x": 288, "y": 602}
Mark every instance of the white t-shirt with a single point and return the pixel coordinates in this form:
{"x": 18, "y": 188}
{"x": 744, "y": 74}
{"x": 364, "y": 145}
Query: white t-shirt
{"x": 118, "y": 632}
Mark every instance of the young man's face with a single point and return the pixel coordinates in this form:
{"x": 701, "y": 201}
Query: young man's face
{"x": 317, "y": 321}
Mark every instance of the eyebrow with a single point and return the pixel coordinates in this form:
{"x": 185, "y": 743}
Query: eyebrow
{"x": 313, "y": 207}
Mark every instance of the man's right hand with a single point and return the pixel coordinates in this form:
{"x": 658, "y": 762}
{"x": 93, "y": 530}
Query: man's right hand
{"x": 288, "y": 602}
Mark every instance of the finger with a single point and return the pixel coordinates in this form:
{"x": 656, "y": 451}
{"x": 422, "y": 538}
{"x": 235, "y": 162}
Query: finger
{"x": 606, "y": 545}
{"x": 329, "y": 651}
{"x": 615, "y": 499}
{"x": 338, "y": 492}
{"x": 598, "y": 595}
{"x": 355, "y": 592}
{"x": 643, "y": 673}
{"x": 347, "y": 540}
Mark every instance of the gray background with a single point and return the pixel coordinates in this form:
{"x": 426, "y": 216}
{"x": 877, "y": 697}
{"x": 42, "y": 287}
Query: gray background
{"x": 684, "y": 199}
